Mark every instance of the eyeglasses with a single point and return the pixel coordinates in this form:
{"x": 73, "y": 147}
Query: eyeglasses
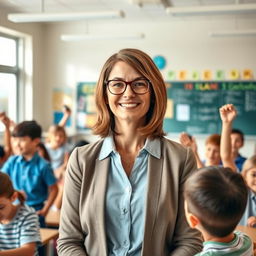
{"x": 138, "y": 86}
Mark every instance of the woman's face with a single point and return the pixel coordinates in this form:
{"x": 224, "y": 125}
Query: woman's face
{"x": 129, "y": 106}
{"x": 250, "y": 178}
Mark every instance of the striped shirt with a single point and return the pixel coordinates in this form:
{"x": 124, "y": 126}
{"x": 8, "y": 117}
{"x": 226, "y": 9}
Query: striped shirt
{"x": 241, "y": 245}
{"x": 23, "y": 229}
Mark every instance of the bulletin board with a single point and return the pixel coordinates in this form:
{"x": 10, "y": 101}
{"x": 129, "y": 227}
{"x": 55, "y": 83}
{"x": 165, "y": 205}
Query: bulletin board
{"x": 86, "y": 107}
{"x": 193, "y": 107}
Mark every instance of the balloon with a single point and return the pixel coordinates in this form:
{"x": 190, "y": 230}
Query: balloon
{"x": 159, "y": 61}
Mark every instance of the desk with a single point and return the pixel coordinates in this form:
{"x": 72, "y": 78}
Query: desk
{"x": 251, "y": 232}
{"x": 48, "y": 234}
{"x": 52, "y": 219}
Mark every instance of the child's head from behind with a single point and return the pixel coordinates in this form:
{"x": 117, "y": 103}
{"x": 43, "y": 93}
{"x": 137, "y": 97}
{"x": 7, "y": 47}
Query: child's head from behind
{"x": 249, "y": 172}
{"x": 215, "y": 200}
{"x": 26, "y": 136}
{"x": 56, "y": 136}
{"x": 7, "y": 196}
{"x": 212, "y": 150}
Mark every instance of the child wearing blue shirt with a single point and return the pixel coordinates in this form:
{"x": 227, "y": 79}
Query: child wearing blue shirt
{"x": 30, "y": 173}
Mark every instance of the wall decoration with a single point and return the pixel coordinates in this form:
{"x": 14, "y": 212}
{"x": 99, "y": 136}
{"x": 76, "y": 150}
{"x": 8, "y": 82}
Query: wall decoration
{"x": 61, "y": 97}
{"x": 160, "y": 61}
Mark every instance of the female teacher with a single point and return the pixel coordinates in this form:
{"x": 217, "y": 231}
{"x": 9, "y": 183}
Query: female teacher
{"x": 123, "y": 194}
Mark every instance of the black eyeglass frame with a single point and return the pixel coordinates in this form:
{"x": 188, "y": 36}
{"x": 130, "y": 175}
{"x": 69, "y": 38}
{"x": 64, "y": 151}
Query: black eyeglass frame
{"x": 128, "y": 83}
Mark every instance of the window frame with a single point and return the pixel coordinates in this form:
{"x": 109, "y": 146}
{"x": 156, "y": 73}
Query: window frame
{"x": 15, "y": 70}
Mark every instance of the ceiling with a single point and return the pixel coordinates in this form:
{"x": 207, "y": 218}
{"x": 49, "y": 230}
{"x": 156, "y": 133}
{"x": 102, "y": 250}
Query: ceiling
{"x": 148, "y": 11}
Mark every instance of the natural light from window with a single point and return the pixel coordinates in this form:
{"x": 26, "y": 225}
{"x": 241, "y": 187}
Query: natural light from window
{"x": 8, "y": 52}
{"x": 8, "y": 96}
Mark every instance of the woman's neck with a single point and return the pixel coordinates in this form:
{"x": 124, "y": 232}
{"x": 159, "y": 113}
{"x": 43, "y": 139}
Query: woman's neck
{"x": 129, "y": 142}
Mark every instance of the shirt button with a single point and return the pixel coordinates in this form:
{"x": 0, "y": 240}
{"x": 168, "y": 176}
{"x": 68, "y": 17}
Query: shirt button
{"x": 129, "y": 190}
{"x": 124, "y": 211}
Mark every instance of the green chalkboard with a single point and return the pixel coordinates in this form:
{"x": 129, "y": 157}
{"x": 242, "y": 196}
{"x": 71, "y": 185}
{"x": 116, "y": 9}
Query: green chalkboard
{"x": 193, "y": 107}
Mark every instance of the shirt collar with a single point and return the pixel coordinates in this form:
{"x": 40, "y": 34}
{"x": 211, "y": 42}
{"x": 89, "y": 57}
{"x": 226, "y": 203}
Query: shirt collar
{"x": 252, "y": 195}
{"x": 152, "y": 146}
{"x": 22, "y": 159}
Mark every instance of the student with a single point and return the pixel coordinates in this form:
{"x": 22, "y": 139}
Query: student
{"x": 237, "y": 142}
{"x": 249, "y": 174}
{"x": 19, "y": 226}
{"x": 215, "y": 199}
{"x": 212, "y": 149}
{"x": 29, "y": 172}
{"x": 59, "y": 151}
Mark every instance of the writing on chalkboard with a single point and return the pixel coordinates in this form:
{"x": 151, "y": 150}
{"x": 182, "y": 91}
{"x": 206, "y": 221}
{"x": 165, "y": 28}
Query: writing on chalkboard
{"x": 192, "y": 107}
{"x": 196, "y": 106}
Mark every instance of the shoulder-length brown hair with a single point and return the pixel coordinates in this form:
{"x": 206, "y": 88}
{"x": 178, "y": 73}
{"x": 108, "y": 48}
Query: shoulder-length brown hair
{"x": 145, "y": 66}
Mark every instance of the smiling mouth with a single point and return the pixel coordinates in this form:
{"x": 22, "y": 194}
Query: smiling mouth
{"x": 129, "y": 105}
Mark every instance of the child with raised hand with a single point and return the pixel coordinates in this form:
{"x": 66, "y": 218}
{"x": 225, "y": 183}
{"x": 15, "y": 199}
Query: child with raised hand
{"x": 19, "y": 226}
{"x": 29, "y": 172}
{"x": 228, "y": 114}
{"x": 59, "y": 152}
{"x": 249, "y": 175}
{"x": 212, "y": 149}
{"x": 188, "y": 141}
{"x": 215, "y": 199}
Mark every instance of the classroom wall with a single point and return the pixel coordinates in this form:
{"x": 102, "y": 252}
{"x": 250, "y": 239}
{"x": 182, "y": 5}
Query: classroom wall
{"x": 184, "y": 42}
{"x": 37, "y": 32}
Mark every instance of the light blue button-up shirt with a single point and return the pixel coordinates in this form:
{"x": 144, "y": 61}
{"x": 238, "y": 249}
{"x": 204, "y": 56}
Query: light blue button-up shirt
{"x": 125, "y": 200}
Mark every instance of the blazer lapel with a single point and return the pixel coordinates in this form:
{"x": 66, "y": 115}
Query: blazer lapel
{"x": 155, "y": 169}
{"x": 101, "y": 176}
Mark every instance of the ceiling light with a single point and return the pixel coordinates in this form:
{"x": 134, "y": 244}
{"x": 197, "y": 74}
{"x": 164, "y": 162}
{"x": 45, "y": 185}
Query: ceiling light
{"x": 211, "y": 9}
{"x": 56, "y": 17}
{"x": 82, "y": 37}
{"x": 248, "y": 32}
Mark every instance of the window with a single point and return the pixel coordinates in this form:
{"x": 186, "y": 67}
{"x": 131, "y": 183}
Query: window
{"x": 9, "y": 76}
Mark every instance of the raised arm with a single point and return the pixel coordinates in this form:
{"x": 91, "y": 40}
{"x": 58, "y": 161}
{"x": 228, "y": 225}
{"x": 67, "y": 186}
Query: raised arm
{"x": 187, "y": 141}
{"x": 227, "y": 114}
{"x": 65, "y": 117}
{"x": 7, "y": 135}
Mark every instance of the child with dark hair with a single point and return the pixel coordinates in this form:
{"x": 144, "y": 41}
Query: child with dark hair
{"x": 19, "y": 226}
{"x": 215, "y": 199}
{"x": 237, "y": 142}
{"x": 29, "y": 172}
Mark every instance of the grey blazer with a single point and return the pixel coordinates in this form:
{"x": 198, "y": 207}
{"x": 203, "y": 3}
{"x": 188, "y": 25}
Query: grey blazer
{"x": 82, "y": 226}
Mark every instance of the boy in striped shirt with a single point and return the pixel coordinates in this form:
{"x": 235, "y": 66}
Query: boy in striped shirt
{"x": 215, "y": 199}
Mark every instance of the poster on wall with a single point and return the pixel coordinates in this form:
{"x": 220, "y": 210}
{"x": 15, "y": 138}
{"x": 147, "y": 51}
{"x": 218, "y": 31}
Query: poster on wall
{"x": 86, "y": 108}
{"x": 61, "y": 97}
